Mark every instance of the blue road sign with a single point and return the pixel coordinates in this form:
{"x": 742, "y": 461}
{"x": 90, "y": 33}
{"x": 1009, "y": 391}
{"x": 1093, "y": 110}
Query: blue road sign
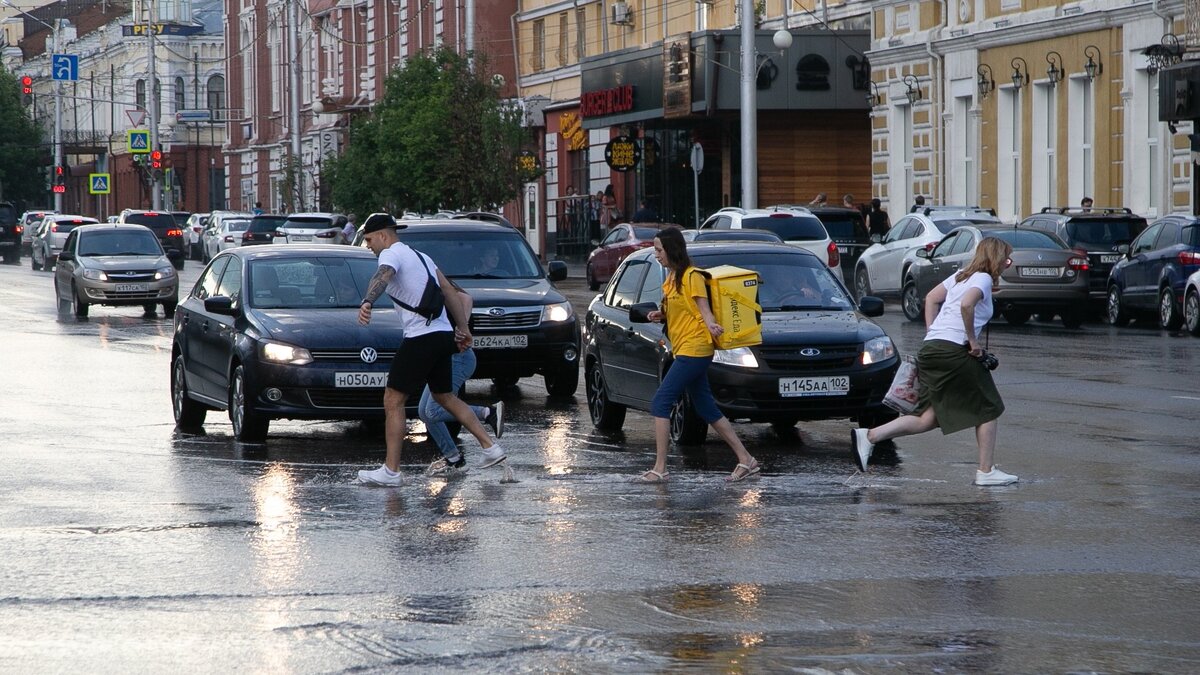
{"x": 65, "y": 67}
{"x": 98, "y": 185}
{"x": 139, "y": 141}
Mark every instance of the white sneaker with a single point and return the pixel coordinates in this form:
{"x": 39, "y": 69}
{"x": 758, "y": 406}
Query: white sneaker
{"x": 994, "y": 477}
{"x": 860, "y": 448}
{"x": 493, "y": 456}
{"x": 495, "y": 418}
{"x": 382, "y": 476}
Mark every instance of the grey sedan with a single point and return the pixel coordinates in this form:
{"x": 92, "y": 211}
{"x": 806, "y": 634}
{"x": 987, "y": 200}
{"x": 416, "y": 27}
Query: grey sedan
{"x": 117, "y": 265}
{"x": 1046, "y": 276}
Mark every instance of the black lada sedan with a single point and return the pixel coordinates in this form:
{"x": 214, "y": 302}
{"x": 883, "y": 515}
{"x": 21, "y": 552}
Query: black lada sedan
{"x": 821, "y": 357}
{"x": 272, "y": 332}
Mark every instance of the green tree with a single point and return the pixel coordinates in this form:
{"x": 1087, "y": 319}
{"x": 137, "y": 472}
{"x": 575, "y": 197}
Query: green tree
{"x": 439, "y": 138}
{"x": 23, "y": 153}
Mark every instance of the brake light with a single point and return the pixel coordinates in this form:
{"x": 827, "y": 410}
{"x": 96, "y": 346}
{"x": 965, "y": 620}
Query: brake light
{"x": 175, "y": 233}
{"x": 248, "y": 236}
{"x": 1080, "y": 264}
{"x": 229, "y": 238}
{"x": 18, "y": 229}
{"x": 280, "y": 233}
{"x": 329, "y": 235}
{"x": 780, "y": 215}
{"x": 834, "y": 258}
{"x": 1189, "y": 258}
{"x": 54, "y": 228}
{"x": 931, "y": 245}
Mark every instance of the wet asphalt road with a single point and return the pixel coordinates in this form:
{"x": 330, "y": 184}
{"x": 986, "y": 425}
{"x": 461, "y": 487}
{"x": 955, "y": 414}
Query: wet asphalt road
{"x": 128, "y": 547}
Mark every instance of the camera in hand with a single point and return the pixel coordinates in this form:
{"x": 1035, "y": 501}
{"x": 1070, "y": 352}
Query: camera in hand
{"x": 988, "y": 360}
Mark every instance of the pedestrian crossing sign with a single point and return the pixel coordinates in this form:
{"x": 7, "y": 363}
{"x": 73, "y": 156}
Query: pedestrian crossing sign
{"x": 139, "y": 141}
{"x": 99, "y": 183}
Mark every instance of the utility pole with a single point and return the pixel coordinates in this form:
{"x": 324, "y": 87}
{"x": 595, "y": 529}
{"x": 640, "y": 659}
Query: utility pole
{"x": 58, "y": 92}
{"x": 155, "y": 188}
{"x": 294, "y": 166}
{"x": 749, "y": 109}
{"x": 470, "y": 34}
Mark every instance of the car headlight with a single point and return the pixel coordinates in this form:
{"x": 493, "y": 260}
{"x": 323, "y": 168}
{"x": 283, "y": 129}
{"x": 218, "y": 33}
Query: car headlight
{"x": 95, "y": 275}
{"x": 741, "y": 357}
{"x": 878, "y": 349}
{"x": 164, "y": 272}
{"x": 558, "y": 312}
{"x": 279, "y": 352}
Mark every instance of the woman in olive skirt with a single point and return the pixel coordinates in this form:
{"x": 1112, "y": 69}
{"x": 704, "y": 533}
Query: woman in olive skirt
{"x": 957, "y": 391}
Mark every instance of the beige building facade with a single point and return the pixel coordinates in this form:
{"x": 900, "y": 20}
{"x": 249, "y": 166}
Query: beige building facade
{"x": 1019, "y": 105}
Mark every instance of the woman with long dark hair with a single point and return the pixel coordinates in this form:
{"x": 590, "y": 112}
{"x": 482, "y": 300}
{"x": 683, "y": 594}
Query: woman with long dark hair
{"x": 691, "y": 328}
{"x": 957, "y": 390}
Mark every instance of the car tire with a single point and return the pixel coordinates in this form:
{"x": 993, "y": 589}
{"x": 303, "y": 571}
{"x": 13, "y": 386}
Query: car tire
{"x": 169, "y": 308}
{"x": 12, "y": 257}
{"x": 33, "y": 263}
{"x": 592, "y": 284}
{"x": 785, "y": 430}
{"x": 912, "y": 303}
{"x": 149, "y": 307}
{"x": 189, "y": 415}
{"x": 1191, "y": 312}
{"x": 1072, "y": 318}
{"x": 563, "y": 381}
{"x": 604, "y": 413}
{"x": 49, "y": 264}
{"x": 1017, "y": 317}
{"x": 248, "y": 425}
{"x": 178, "y": 264}
{"x": 1115, "y": 314}
{"x": 1169, "y": 316}
{"x": 64, "y": 306}
{"x": 862, "y": 283}
{"x": 78, "y": 307}
{"x": 687, "y": 427}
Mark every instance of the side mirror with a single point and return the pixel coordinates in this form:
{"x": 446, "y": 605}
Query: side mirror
{"x": 557, "y": 270}
{"x": 870, "y": 305}
{"x": 922, "y": 253}
{"x": 219, "y": 304}
{"x": 66, "y": 255}
{"x": 595, "y": 242}
{"x": 1123, "y": 249}
{"x": 174, "y": 256}
{"x": 638, "y": 312}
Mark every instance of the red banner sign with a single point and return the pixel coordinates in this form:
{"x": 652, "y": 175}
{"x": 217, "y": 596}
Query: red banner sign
{"x": 606, "y": 101}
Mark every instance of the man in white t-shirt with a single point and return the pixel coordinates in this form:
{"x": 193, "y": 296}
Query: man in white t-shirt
{"x": 425, "y": 356}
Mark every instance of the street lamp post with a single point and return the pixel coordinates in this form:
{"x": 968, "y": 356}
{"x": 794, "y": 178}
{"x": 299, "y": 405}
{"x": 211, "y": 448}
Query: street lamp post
{"x": 151, "y": 66}
{"x": 749, "y": 100}
{"x": 57, "y": 131}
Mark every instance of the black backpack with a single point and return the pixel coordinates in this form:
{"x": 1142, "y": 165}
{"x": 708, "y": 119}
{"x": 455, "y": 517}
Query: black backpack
{"x": 432, "y": 300}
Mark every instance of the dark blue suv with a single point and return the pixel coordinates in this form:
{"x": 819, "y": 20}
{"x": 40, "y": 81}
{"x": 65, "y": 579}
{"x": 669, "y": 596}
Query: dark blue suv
{"x": 1152, "y": 272}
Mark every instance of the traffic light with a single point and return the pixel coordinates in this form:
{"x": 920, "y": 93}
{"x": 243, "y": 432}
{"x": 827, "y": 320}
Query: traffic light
{"x": 27, "y": 90}
{"x": 59, "y": 184}
{"x": 156, "y": 159}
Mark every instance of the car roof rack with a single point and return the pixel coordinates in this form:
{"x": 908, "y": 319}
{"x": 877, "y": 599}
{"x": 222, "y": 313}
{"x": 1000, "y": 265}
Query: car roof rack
{"x": 732, "y": 209}
{"x": 1094, "y": 210}
{"x": 789, "y": 207}
{"x": 931, "y": 209}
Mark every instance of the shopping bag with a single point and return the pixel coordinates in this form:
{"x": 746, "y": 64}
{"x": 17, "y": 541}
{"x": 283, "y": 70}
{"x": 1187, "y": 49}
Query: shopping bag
{"x": 906, "y": 387}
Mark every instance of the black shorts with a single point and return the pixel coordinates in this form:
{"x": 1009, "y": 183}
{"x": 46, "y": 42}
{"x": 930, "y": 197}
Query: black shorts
{"x": 421, "y": 360}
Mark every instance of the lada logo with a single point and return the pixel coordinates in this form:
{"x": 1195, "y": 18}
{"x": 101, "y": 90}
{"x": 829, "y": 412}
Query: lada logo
{"x": 496, "y": 311}
{"x": 809, "y": 351}
{"x": 368, "y": 355}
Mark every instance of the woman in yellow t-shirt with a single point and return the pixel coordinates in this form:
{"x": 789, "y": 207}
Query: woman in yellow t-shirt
{"x": 691, "y": 328}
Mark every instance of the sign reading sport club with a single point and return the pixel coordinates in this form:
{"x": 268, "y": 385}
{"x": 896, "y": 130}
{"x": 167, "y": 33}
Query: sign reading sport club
{"x": 606, "y": 101}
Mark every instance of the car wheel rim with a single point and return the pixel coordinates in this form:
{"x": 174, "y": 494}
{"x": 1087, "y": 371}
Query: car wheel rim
{"x": 597, "y": 395}
{"x": 860, "y": 284}
{"x": 677, "y": 418}
{"x": 1191, "y": 311}
{"x": 1165, "y": 307}
{"x": 910, "y": 300}
{"x": 178, "y": 389}
{"x": 1114, "y": 306}
{"x": 237, "y": 410}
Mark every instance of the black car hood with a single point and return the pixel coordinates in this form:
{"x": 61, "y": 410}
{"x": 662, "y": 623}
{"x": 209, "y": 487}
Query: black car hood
{"x": 329, "y": 328}
{"x": 817, "y": 327}
{"x": 510, "y": 292}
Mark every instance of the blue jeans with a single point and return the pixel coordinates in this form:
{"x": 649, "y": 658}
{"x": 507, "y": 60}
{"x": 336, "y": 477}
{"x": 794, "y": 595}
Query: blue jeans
{"x": 690, "y": 374}
{"x": 435, "y": 416}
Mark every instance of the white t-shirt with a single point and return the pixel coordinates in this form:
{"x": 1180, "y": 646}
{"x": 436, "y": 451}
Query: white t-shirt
{"x": 407, "y": 286}
{"x": 948, "y": 324}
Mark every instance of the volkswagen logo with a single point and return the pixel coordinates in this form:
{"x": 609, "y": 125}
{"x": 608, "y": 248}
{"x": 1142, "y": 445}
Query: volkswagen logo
{"x": 368, "y": 355}
{"x": 809, "y": 351}
{"x": 496, "y": 311}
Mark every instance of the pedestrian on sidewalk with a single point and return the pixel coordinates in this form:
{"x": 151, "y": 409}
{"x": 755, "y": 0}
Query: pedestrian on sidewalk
{"x": 430, "y": 342}
{"x": 452, "y": 461}
{"x": 691, "y": 328}
{"x": 957, "y": 390}
{"x": 878, "y": 221}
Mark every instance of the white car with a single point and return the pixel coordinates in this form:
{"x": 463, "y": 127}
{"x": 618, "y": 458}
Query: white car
{"x": 794, "y": 225}
{"x": 193, "y": 232}
{"x": 882, "y": 267}
{"x": 30, "y": 221}
{"x": 214, "y": 224}
{"x": 49, "y": 237}
{"x": 225, "y": 234}
{"x": 1191, "y": 304}
{"x": 312, "y": 228}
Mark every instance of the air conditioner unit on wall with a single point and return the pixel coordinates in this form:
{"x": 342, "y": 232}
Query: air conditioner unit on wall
{"x": 622, "y": 13}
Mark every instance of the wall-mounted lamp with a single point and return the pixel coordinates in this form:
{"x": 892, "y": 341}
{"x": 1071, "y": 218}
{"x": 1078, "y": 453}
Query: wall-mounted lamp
{"x": 873, "y": 98}
{"x": 1020, "y": 74}
{"x": 1167, "y": 52}
{"x": 1094, "y": 66}
{"x": 986, "y": 83}
{"x": 914, "y": 89}
{"x": 860, "y": 71}
{"x": 1055, "y": 71}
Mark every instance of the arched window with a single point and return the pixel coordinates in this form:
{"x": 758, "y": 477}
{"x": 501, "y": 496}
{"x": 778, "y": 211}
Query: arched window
{"x": 140, "y": 95}
{"x": 216, "y": 94}
{"x": 180, "y": 90}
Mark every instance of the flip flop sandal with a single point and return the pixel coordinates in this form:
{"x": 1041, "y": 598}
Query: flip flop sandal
{"x": 651, "y": 476}
{"x": 750, "y": 470}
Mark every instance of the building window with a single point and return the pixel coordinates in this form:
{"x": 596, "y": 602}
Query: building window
{"x": 538, "y": 61}
{"x": 1045, "y": 141}
{"x": 273, "y": 42}
{"x": 140, "y": 93}
{"x": 1081, "y": 136}
{"x": 216, "y": 93}
{"x": 1154, "y": 169}
{"x": 1008, "y": 157}
{"x": 900, "y": 163}
{"x": 962, "y": 180}
{"x": 580, "y": 34}
{"x": 180, "y": 95}
{"x": 248, "y": 83}
{"x": 564, "y": 28}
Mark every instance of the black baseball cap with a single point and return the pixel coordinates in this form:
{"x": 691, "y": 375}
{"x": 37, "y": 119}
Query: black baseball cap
{"x": 380, "y": 221}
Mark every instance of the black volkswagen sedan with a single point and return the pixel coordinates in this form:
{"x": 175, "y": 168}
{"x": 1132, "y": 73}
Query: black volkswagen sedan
{"x": 272, "y": 332}
{"x": 821, "y": 357}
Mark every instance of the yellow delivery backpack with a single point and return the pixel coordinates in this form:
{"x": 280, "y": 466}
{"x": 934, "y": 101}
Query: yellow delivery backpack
{"x": 733, "y": 295}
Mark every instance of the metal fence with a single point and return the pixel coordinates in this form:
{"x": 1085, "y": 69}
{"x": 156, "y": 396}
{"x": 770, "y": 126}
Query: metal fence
{"x": 577, "y": 224}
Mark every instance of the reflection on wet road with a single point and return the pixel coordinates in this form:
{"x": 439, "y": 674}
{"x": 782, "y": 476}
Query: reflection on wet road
{"x": 128, "y": 546}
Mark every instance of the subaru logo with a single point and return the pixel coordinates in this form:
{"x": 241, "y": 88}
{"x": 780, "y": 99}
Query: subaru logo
{"x": 368, "y": 355}
{"x": 810, "y": 351}
{"x": 496, "y": 311}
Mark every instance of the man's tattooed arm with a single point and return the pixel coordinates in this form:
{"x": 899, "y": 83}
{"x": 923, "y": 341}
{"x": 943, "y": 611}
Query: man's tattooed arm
{"x": 379, "y": 283}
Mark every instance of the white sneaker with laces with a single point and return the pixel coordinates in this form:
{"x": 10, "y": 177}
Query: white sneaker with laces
{"x": 493, "y": 456}
{"x": 994, "y": 477}
{"x": 382, "y": 477}
{"x": 860, "y": 448}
